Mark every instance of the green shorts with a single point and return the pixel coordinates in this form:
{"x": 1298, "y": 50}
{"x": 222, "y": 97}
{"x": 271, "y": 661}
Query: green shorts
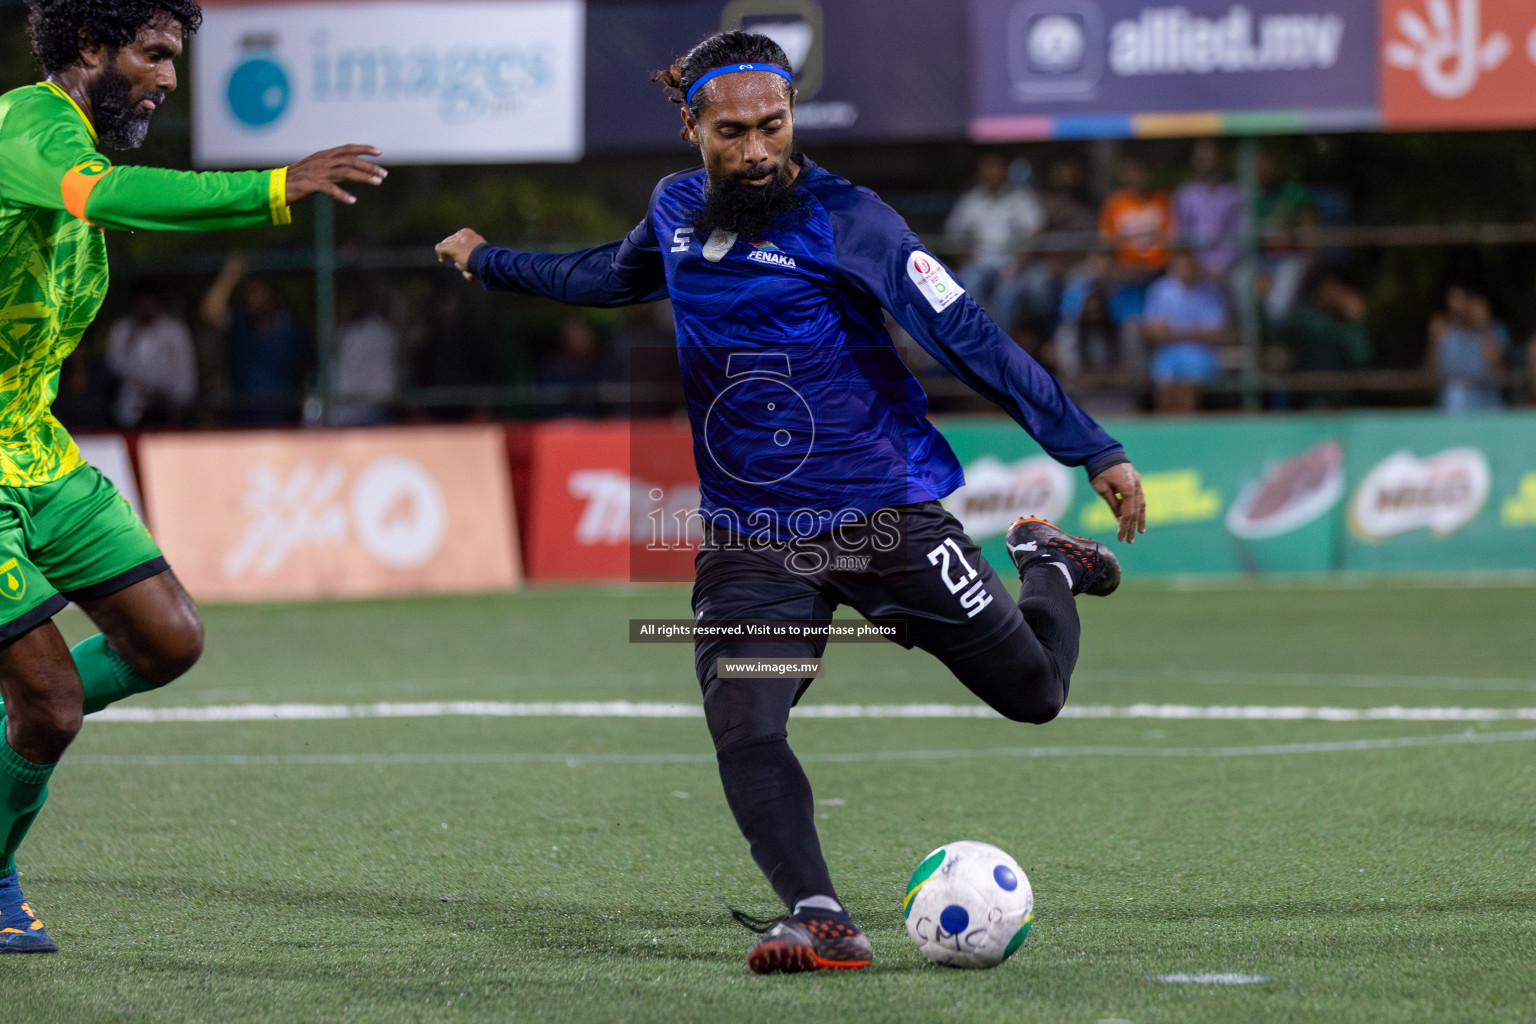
{"x": 73, "y": 539}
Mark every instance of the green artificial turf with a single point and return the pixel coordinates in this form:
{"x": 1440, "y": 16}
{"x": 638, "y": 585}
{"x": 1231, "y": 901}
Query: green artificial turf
{"x": 391, "y": 870}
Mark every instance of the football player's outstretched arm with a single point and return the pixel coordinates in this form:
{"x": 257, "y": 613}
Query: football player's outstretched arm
{"x": 618, "y": 273}
{"x": 154, "y": 198}
{"x": 58, "y": 167}
{"x": 878, "y": 253}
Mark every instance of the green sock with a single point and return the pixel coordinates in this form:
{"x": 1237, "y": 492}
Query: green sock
{"x": 23, "y": 788}
{"x": 106, "y": 676}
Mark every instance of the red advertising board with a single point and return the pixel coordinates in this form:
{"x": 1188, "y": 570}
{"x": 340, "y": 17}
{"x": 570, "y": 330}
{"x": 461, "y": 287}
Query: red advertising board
{"x": 286, "y": 515}
{"x": 1458, "y": 64}
{"x": 606, "y": 500}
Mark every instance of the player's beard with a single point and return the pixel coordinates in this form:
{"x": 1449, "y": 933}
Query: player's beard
{"x": 750, "y": 210}
{"x": 115, "y": 109}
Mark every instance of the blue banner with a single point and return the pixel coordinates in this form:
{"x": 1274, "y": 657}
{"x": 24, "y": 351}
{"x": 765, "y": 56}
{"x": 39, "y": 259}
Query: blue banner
{"x": 1083, "y": 68}
{"x": 866, "y": 70}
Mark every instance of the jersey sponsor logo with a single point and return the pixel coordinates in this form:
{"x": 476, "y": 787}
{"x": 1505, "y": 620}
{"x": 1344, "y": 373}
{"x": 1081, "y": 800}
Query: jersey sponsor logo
{"x": 933, "y": 281}
{"x": 78, "y": 183}
{"x": 767, "y": 252}
{"x": 719, "y": 243}
{"x": 12, "y": 583}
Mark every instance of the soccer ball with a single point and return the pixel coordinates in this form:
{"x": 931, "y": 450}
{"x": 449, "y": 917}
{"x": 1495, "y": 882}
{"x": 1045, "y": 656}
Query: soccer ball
{"x": 969, "y": 905}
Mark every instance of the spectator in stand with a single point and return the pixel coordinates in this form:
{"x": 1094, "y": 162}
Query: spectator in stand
{"x": 642, "y": 353}
{"x": 269, "y": 354}
{"x": 1279, "y": 202}
{"x": 1065, "y": 200}
{"x": 1290, "y": 261}
{"x": 1094, "y": 352}
{"x": 365, "y": 382}
{"x": 1209, "y": 210}
{"x": 1186, "y": 323}
{"x": 1069, "y": 210}
{"x": 151, "y": 353}
{"x": 1468, "y": 349}
{"x": 987, "y": 227}
{"x": 1137, "y": 220}
{"x": 1326, "y": 329}
{"x": 643, "y": 327}
{"x": 1089, "y": 342}
{"x": 572, "y": 371}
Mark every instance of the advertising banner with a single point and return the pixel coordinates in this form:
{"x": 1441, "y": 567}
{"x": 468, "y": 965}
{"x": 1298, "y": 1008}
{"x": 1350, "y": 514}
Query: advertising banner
{"x": 1085, "y": 68}
{"x": 1416, "y": 492}
{"x": 1458, "y": 64}
{"x": 1222, "y": 496}
{"x": 865, "y": 69}
{"x": 1376, "y": 493}
{"x": 607, "y": 500}
{"x": 109, "y": 454}
{"x": 283, "y": 515}
{"x": 1433, "y": 493}
{"x": 449, "y": 82}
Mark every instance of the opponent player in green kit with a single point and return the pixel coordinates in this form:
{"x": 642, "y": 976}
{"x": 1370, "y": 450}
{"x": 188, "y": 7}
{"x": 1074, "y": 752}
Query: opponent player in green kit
{"x": 65, "y": 532}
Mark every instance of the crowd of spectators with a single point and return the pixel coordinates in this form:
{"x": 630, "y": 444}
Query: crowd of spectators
{"x": 1133, "y": 295}
{"x": 243, "y": 358}
{"x": 1136, "y": 297}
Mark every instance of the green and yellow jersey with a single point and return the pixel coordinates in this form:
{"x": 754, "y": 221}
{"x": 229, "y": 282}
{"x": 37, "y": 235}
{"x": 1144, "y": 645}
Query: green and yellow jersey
{"x": 57, "y": 195}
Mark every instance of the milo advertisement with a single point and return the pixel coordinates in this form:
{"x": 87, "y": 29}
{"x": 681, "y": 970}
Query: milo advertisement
{"x": 1304, "y": 494}
{"x": 1433, "y": 493}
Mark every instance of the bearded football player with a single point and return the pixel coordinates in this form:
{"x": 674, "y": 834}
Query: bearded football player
{"x": 65, "y": 532}
{"x": 812, "y": 444}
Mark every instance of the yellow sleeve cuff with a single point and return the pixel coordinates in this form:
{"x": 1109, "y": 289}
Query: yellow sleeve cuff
{"x": 277, "y": 197}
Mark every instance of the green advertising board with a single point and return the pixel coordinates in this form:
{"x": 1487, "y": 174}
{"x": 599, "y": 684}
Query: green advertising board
{"x": 1408, "y": 492}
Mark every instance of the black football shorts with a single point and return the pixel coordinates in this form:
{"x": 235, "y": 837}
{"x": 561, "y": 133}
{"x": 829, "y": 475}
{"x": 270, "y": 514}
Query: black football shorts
{"x": 910, "y": 563}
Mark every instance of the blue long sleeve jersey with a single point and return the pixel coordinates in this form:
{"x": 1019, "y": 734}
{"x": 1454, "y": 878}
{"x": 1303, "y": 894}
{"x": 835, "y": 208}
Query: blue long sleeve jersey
{"x": 804, "y": 414}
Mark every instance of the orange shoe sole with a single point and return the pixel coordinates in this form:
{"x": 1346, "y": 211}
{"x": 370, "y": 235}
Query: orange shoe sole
{"x": 792, "y": 958}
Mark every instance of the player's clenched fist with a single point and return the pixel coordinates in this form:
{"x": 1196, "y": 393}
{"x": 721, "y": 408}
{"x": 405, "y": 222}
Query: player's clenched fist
{"x": 319, "y": 173}
{"x": 457, "y": 247}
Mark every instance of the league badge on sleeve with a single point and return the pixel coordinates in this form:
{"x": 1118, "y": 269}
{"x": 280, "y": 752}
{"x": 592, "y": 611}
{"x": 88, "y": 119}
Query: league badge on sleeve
{"x": 933, "y": 280}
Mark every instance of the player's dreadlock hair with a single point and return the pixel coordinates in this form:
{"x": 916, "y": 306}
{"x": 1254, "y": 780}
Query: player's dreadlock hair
{"x": 716, "y": 51}
{"x": 57, "y": 25}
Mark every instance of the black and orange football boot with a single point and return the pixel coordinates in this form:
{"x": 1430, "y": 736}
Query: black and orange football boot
{"x": 1090, "y": 566}
{"x": 805, "y": 942}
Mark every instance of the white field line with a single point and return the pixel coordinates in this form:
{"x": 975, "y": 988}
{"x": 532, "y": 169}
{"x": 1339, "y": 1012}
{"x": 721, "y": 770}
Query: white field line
{"x": 1143, "y": 677}
{"x": 628, "y": 709}
{"x": 1212, "y": 979}
{"x": 578, "y": 760}
{"x": 1325, "y": 679}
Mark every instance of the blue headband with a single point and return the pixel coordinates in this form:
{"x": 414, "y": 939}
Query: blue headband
{"x": 731, "y": 69}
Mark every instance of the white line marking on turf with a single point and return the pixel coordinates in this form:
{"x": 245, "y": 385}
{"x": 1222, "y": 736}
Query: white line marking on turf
{"x": 1212, "y": 979}
{"x": 576, "y": 760}
{"x": 1329, "y": 679}
{"x": 628, "y": 709}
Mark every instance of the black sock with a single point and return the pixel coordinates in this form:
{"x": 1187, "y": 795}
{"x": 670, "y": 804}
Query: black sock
{"x": 771, "y": 799}
{"x": 1026, "y": 674}
{"x": 1050, "y": 611}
